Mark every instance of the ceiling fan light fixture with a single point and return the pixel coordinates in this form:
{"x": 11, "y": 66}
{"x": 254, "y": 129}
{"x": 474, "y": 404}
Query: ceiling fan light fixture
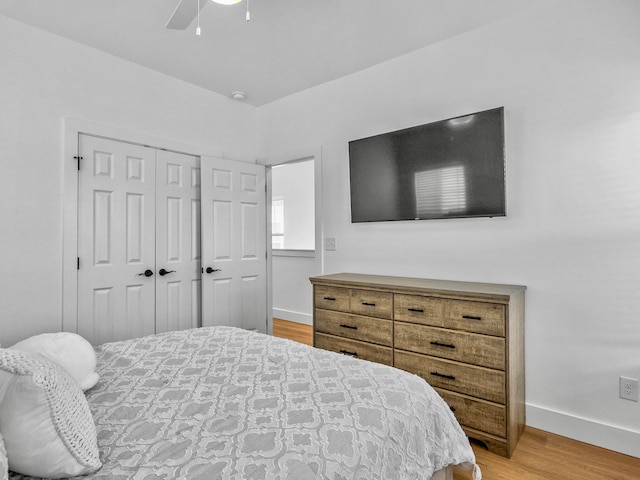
{"x": 226, "y": 2}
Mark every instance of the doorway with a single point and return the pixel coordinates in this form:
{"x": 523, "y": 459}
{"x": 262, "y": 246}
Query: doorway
{"x": 295, "y": 262}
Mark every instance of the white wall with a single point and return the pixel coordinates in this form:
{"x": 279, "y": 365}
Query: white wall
{"x": 569, "y": 79}
{"x": 291, "y": 293}
{"x": 44, "y": 78}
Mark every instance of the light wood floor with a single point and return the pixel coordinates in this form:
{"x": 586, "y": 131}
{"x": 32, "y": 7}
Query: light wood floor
{"x": 540, "y": 455}
{"x": 293, "y": 331}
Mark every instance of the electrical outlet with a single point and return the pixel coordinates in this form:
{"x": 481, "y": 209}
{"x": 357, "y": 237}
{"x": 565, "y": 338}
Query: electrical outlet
{"x": 330, "y": 244}
{"x": 629, "y": 388}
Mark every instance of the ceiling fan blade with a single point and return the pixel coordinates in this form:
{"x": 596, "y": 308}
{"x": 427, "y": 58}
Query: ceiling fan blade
{"x": 185, "y": 12}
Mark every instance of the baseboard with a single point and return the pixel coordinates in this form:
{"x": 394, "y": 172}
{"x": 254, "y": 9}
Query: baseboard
{"x": 290, "y": 316}
{"x": 584, "y": 430}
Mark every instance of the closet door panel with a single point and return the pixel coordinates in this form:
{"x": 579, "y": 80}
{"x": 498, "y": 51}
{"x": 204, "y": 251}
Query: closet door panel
{"x": 177, "y": 243}
{"x": 116, "y": 240}
{"x": 234, "y": 244}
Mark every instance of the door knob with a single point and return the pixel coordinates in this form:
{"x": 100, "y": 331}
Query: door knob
{"x": 163, "y": 272}
{"x": 146, "y": 273}
{"x": 211, "y": 270}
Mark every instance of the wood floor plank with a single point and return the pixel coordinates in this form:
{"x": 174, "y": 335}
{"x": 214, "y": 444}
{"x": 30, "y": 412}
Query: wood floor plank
{"x": 293, "y": 331}
{"x": 540, "y": 455}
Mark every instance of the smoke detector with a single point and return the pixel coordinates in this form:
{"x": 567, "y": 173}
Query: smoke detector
{"x": 238, "y": 95}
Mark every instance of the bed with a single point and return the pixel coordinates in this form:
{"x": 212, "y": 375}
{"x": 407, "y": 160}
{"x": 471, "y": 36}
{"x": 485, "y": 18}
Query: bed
{"x": 226, "y": 403}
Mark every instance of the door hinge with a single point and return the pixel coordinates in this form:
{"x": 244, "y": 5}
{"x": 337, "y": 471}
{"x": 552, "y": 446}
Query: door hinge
{"x": 78, "y": 264}
{"x": 78, "y": 158}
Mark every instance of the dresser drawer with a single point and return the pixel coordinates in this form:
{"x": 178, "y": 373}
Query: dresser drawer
{"x": 482, "y": 350}
{"x": 479, "y": 317}
{"x": 484, "y": 416}
{"x": 372, "y": 303}
{"x": 331, "y": 298}
{"x": 373, "y": 330}
{"x": 419, "y": 309}
{"x": 354, "y": 348}
{"x": 468, "y": 379}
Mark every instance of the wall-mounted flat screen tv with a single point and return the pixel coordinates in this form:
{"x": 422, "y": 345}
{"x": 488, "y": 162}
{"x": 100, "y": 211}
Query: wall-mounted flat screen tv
{"x": 452, "y": 168}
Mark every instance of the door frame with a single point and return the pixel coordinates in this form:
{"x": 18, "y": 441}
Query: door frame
{"x": 72, "y": 128}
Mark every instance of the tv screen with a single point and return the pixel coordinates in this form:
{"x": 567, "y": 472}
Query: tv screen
{"x": 447, "y": 169}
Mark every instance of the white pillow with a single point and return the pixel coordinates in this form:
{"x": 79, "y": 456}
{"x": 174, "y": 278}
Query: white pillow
{"x": 4, "y": 466}
{"x": 45, "y": 419}
{"x": 69, "y": 350}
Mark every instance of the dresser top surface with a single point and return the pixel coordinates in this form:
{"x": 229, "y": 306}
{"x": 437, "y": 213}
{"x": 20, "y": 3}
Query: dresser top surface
{"x": 417, "y": 284}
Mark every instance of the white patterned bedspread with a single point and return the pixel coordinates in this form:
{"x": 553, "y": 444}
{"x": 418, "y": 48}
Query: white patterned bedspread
{"x": 224, "y": 403}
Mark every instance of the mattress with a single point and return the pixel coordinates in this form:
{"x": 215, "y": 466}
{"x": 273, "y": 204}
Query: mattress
{"x": 226, "y": 403}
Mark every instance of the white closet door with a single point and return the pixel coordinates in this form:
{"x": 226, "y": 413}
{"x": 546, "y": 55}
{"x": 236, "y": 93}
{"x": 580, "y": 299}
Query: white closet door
{"x": 116, "y": 240}
{"x": 234, "y": 282}
{"x": 178, "y": 288}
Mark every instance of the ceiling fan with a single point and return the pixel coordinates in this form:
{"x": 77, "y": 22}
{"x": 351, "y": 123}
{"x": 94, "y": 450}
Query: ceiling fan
{"x": 187, "y": 10}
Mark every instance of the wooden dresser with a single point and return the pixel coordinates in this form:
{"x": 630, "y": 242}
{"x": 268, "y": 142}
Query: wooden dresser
{"x": 466, "y": 339}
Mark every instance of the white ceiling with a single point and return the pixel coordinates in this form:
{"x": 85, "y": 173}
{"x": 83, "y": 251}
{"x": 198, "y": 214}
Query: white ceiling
{"x": 288, "y": 46}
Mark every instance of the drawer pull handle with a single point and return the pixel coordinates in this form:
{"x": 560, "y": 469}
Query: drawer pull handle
{"x": 419, "y": 310}
{"x": 349, "y": 326}
{"x": 443, "y": 375}
{"x": 471, "y": 317}
{"x": 448, "y": 345}
{"x": 332, "y": 299}
{"x": 369, "y": 304}
{"x": 346, "y": 352}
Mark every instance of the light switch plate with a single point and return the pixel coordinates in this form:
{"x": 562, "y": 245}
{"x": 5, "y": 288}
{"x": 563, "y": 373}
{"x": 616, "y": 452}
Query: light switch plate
{"x": 330, "y": 244}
